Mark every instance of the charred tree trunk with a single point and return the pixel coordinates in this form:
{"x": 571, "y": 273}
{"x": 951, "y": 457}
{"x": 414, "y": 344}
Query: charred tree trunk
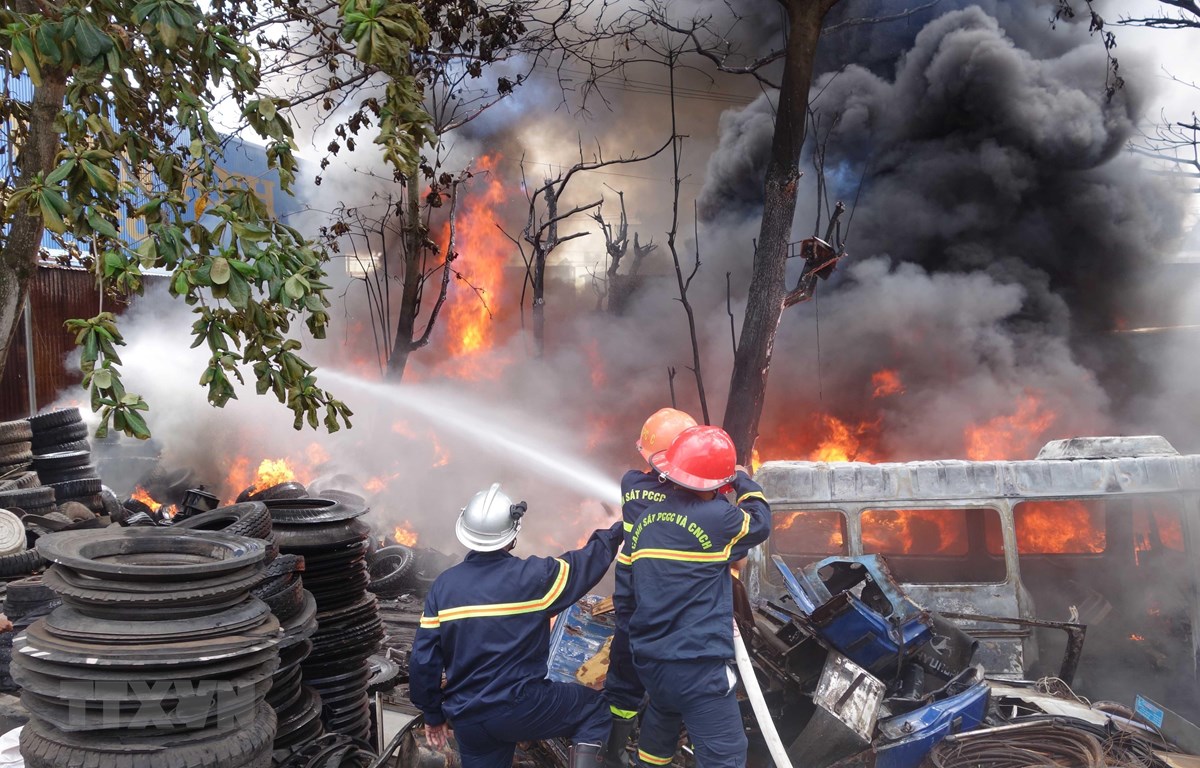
{"x": 752, "y": 362}
{"x": 539, "y": 273}
{"x": 410, "y": 297}
{"x": 36, "y": 153}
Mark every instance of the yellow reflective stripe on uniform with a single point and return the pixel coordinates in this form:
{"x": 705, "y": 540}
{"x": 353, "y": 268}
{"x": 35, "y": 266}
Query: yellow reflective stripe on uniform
{"x": 624, "y": 559}
{"x": 740, "y": 534}
{"x": 751, "y": 495}
{"x": 628, "y": 527}
{"x": 694, "y": 557}
{"x": 646, "y": 757}
{"x": 508, "y": 609}
{"x": 680, "y": 554}
{"x": 429, "y": 623}
{"x": 624, "y": 714}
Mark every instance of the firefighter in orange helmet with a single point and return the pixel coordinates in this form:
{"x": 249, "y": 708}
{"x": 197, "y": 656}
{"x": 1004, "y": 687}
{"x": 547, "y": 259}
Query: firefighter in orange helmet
{"x": 639, "y": 489}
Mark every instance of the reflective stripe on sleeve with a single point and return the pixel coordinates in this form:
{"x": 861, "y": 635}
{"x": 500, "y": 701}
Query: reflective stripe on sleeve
{"x": 428, "y": 623}
{"x": 628, "y": 526}
{"x": 624, "y": 559}
{"x": 751, "y": 495}
{"x": 505, "y": 609}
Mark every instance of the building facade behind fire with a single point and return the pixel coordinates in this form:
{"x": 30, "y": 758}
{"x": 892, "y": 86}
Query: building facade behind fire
{"x": 1101, "y": 531}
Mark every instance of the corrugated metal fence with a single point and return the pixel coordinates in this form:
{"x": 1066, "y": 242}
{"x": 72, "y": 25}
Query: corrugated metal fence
{"x": 56, "y": 295}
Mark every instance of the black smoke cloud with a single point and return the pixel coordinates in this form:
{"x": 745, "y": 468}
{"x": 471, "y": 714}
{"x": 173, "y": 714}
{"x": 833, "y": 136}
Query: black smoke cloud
{"x": 982, "y": 154}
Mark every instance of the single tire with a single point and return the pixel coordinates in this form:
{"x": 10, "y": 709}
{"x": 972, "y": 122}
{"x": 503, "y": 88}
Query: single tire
{"x": 62, "y": 460}
{"x": 249, "y": 518}
{"x": 74, "y": 489}
{"x": 56, "y": 418}
{"x": 12, "y": 533}
{"x": 43, "y": 746}
{"x": 69, "y": 447}
{"x": 26, "y": 498}
{"x": 283, "y": 565}
{"x": 27, "y": 480}
{"x": 288, "y": 490}
{"x": 21, "y": 564}
{"x": 15, "y": 431}
{"x": 30, "y": 589}
{"x": 15, "y": 453}
{"x": 390, "y": 569}
{"x": 166, "y": 554}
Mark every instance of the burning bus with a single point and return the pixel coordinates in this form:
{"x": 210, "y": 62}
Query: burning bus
{"x": 1102, "y": 532}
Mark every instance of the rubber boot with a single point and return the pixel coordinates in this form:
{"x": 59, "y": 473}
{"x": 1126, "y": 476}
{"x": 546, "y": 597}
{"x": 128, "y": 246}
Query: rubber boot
{"x": 586, "y": 756}
{"x": 615, "y": 753}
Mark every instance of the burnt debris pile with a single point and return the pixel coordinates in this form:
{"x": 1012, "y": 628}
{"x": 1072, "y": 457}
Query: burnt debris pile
{"x": 856, "y": 669}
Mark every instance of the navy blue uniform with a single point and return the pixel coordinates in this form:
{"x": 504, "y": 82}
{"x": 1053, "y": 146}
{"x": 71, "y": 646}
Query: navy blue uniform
{"x": 621, "y": 685}
{"x": 681, "y": 631}
{"x": 486, "y": 627}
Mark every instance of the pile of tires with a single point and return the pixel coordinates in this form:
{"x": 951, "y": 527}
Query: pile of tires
{"x": 16, "y": 451}
{"x": 25, "y": 601}
{"x": 62, "y": 458}
{"x": 158, "y": 657}
{"x": 297, "y": 706}
{"x": 326, "y": 532}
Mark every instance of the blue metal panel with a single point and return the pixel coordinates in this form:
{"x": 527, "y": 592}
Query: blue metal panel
{"x": 577, "y": 636}
{"x": 929, "y": 725}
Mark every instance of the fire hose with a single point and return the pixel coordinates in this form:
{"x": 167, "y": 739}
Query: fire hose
{"x": 758, "y": 703}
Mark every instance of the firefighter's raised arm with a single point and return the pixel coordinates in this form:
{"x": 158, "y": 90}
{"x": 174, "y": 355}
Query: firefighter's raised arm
{"x": 583, "y": 568}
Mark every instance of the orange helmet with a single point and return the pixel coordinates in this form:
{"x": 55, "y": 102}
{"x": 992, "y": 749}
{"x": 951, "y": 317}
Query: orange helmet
{"x": 701, "y": 458}
{"x": 660, "y": 429}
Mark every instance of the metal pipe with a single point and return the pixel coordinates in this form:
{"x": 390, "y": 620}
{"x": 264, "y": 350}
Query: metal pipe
{"x": 758, "y": 703}
{"x": 30, "y": 371}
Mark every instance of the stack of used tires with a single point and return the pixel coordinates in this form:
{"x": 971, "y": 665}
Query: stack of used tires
{"x": 19, "y": 487}
{"x": 158, "y": 657}
{"x": 297, "y": 706}
{"x": 15, "y": 451}
{"x": 25, "y": 601}
{"x": 63, "y": 458}
{"x": 333, "y": 542}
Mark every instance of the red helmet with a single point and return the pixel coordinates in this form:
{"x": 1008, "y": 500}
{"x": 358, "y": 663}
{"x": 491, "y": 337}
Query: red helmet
{"x": 701, "y": 458}
{"x": 661, "y": 429}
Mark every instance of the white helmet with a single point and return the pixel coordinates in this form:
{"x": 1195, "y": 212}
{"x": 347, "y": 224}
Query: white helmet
{"x": 490, "y": 521}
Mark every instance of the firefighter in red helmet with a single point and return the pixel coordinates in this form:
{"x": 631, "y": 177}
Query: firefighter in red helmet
{"x": 681, "y": 630}
{"x": 639, "y": 489}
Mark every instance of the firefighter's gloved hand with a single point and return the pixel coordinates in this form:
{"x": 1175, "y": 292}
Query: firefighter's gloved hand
{"x": 437, "y": 736}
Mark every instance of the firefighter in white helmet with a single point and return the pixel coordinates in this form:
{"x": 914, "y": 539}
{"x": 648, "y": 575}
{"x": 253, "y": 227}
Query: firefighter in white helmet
{"x": 486, "y": 628}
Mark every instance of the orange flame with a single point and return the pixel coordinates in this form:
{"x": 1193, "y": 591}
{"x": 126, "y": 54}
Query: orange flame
{"x": 142, "y": 495}
{"x": 441, "y": 457}
{"x": 1067, "y": 526}
{"x": 404, "y": 534}
{"x": 475, "y": 297}
{"x": 843, "y": 442}
{"x": 1136, "y": 637}
{"x": 886, "y": 382}
{"x": 1011, "y": 435}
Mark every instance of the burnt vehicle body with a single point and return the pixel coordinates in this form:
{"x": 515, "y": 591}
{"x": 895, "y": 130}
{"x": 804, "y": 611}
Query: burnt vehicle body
{"x": 1103, "y": 532}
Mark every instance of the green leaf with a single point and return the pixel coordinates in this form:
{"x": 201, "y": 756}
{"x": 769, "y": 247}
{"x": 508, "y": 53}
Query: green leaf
{"x": 102, "y": 378}
{"x": 219, "y": 274}
{"x": 90, "y": 42}
{"x": 101, "y": 225}
{"x": 61, "y": 172}
{"x": 239, "y": 291}
{"x": 293, "y": 288}
{"x": 23, "y": 56}
{"x": 50, "y": 215}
